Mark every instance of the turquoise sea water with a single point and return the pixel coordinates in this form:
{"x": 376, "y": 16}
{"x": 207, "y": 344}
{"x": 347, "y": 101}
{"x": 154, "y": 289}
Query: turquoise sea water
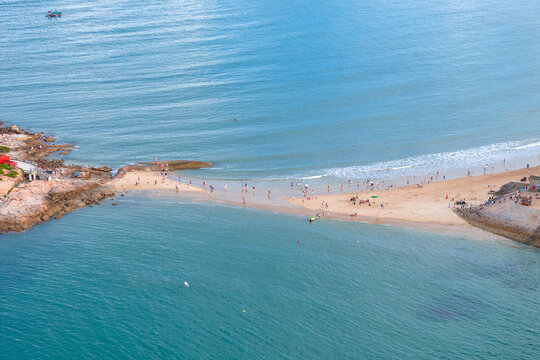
{"x": 353, "y": 89}
{"x": 107, "y": 282}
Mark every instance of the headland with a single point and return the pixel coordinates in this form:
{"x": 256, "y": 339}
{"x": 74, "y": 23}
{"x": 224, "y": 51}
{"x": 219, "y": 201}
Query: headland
{"x": 35, "y": 188}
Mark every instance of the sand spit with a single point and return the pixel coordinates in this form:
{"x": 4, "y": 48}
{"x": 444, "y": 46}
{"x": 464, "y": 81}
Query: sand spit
{"x": 437, "y": 204}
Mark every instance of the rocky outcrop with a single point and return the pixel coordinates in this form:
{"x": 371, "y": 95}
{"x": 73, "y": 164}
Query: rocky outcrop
{"x": 62, "y": 187}
{"x": 70, "y": 187}
{"x": 15, "y": 129}
{"x": 510, "y": 188}
{"x": 170, "y": 165}
{"x": 508, "y": 219}
{"x": 40, "y": 201}
{"x": 101, "y": 169}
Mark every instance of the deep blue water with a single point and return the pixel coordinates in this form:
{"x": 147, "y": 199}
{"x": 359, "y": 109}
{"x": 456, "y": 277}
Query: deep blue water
{"x": 341, "y": 89}
{"x": 107, "y": 282}
{"x": 317, "y": 87}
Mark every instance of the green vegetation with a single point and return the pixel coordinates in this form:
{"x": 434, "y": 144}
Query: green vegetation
{"x": 12, "y": 174}
{"x": 4, "y": 149}
{"x": 5, "y": 167}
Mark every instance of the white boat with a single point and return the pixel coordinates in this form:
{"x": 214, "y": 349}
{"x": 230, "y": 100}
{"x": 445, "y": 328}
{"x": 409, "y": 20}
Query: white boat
{"x": 186, "y": 283}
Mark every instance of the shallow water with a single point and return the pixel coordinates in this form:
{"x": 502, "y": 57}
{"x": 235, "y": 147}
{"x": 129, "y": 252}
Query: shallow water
{"x": 108, "y": 282}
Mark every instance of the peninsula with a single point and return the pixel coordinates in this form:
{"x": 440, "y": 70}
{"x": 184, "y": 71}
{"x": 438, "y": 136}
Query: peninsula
{"x": 35, "y": 188}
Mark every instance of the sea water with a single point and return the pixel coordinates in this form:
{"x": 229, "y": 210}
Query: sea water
{"x": 108, "y": 282}
{"x": 348, "y": 89}
{"x": 318, "y": 88}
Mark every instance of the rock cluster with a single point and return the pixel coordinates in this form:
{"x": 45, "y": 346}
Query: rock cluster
{"x": 508, "y": 219}
{"x": 70, "y": 187}
{"x": 40, "y": 201}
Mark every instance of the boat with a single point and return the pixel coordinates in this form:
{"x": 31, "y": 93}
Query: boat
{"x": 54, "y": 14}
{"x": 186, "y": 284}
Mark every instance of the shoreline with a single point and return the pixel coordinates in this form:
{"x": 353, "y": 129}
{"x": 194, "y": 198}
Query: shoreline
{"x": 428, "y": 206}
{"x": 432, "y": 202}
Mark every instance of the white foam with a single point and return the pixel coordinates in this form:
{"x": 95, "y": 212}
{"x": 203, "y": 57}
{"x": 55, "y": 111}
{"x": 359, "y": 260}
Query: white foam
{"x": 402, "y": 167}
{"x": 312, "y": 177}
{"x": 527, "y": 146}
{"x": 443, "y": 162}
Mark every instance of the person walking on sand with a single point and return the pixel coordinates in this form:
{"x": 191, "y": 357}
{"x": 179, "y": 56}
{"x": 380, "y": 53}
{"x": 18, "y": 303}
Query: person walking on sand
{"x": 225, "y": 188}
{"x": 269, "y": 194}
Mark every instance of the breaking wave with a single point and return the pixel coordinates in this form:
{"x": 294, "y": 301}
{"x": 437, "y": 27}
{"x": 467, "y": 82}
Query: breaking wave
{"x": 473, "y": 158}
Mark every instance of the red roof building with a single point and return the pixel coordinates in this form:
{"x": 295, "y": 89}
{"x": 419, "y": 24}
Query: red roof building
{"x": 5, "y": 159}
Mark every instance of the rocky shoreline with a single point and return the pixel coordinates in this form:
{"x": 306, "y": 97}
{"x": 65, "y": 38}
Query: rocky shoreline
{"x": 508, "y": 219}
{"x": 61, "y": 187}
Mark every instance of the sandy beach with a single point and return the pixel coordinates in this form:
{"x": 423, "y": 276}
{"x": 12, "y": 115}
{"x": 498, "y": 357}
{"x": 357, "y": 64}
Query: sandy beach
{"x": 430, "y": 204}
{"x": 146, "y": 180}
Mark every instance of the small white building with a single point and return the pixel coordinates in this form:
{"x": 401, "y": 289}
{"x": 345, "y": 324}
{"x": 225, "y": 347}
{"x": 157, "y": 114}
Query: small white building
{"x": 29, "y": 169}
